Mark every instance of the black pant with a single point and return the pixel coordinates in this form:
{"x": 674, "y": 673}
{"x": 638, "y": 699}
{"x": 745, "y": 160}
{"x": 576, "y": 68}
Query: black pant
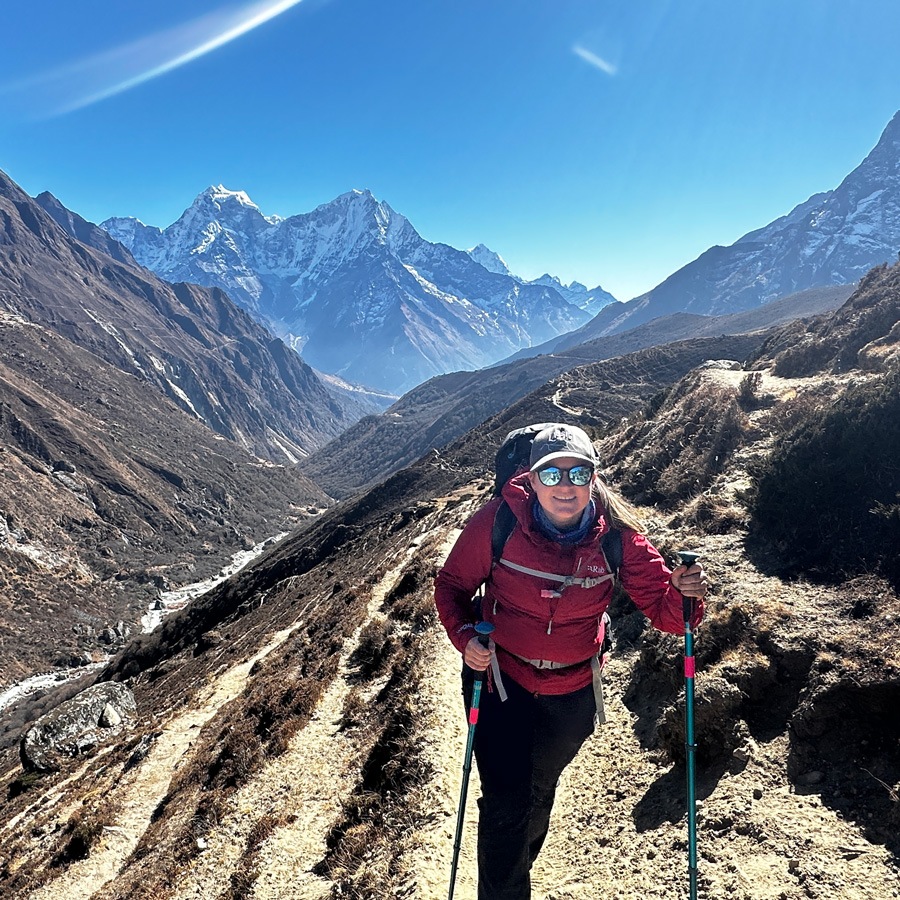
{"x": 521, "y": 748}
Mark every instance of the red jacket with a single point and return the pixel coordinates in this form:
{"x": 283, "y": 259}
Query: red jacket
{"x": 528, "y": 621}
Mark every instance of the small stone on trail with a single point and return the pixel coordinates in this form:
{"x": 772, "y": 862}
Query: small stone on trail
{"x": 742, "y": 754}
{"x": 813, "y": 777}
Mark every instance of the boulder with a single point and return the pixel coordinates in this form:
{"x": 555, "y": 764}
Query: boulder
{"x": 731, "y": 365}
{"x": 719, "y": 729}
{"x": 77, "y": 726}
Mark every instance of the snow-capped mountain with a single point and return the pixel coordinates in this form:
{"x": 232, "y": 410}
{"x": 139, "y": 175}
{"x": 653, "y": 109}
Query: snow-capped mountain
{"x": 492, "y": 261}
{"x": 353, "y": 286}
{"x": 190, "y": 343}
{"x": 833, "y": 238}
{"x": 591, "y": 301}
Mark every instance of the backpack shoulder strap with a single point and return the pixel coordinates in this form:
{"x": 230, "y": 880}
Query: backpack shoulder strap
{"x": 611, "y": 544}
{"x": 504, "y": 523}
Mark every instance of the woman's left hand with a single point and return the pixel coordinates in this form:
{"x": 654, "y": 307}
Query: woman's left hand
{"x": 690, "y": 581}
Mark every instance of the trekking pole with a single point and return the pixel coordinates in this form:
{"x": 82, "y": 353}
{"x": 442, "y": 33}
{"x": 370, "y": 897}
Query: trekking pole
{"x": 483, "y": 630}
{"x": 688, "y": 559}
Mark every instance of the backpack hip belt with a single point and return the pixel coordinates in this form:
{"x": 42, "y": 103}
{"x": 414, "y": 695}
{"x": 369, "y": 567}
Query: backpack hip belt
{"x": 595, "y": 660}
{"x": 546, "y": 663}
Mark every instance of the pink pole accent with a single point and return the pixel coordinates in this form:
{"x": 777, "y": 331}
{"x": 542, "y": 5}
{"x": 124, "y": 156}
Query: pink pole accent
{"x": 689, "y": 667}
{"x": 473, "y": 716}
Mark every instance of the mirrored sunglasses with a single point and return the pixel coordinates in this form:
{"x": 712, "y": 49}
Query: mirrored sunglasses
{"x": 578, "y": 475}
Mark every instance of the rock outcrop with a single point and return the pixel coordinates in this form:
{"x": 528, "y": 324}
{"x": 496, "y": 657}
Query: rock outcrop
{"x": 77, "y": 726}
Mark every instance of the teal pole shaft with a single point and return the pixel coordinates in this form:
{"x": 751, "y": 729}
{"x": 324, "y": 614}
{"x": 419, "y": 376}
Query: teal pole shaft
{"x": 690, "y": 746}
{"x": 467, "y": 768}
{"x": 484, "y": 630}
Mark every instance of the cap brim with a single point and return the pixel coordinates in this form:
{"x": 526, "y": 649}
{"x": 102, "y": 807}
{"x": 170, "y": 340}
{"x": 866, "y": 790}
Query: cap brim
{"x": 561, "y": 454}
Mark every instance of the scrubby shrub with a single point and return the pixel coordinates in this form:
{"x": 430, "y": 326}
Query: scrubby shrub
{"x": 23, "y": 783}
{"x": 354, "y": 712}
{"x": 808, "y": 357}
{"x": 795, "y": 409}
{"x": 748, "y": 391}
{"x": 711, "y": 515}
{"x": 828, "y": 498}
{"x": 679, "y": 453}
{"x": 374, "y": 648}
{"x": 410, "y": 600}
{"x": 84, "y": 830}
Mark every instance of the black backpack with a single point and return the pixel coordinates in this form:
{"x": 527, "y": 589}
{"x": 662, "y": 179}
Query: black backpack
{"x": 514, "y": 453}
{"x": 513, "y": 457}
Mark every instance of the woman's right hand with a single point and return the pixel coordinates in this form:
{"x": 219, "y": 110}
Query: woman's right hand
{"x": 477, "y": 656}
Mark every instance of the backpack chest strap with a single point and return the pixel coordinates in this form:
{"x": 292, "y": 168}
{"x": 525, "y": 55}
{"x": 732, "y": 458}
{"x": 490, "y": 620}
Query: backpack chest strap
{"x": 565, "y": 580}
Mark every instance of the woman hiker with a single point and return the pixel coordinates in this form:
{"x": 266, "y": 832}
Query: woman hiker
{"x": 547, "y": 639}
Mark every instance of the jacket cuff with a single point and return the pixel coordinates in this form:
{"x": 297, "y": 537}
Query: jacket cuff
{"x": 463, "y": 635}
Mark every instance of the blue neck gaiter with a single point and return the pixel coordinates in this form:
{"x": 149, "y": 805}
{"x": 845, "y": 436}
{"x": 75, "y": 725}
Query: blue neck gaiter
{"x": 573, "y": 536}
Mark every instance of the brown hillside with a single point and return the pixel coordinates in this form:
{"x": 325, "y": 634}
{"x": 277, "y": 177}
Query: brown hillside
{"x": 191, "y": 343}
{"x": 432, "y": 416}
{"x": 301, "y": 729}
{"x": 110, "y": 494}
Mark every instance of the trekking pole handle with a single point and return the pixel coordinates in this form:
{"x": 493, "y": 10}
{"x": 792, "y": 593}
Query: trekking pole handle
{"x": 687, "y": 558}
{"x": 484, "y": 630}
{"x": 477, "y": 652}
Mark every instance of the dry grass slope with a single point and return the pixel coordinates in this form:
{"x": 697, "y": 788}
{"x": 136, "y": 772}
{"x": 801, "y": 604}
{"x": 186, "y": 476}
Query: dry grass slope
{"x": 310, "y": 716}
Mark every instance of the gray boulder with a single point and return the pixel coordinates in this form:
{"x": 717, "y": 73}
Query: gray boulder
{"x": 77, "y": 726}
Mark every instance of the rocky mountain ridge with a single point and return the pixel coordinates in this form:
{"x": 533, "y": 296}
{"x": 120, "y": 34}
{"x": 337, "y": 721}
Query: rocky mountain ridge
{"x": 192, "y": 343}
{"x": 591, "y": 301}
{"x": 111, "y": 496}
{"x": 437, "y": 412}
{"x": 138, "y": 421}
{"x": 833, "y": 238}
{"x": 353, "y": 287}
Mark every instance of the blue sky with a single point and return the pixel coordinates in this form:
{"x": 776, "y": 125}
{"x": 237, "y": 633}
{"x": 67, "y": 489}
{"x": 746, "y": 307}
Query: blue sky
{"x": 608, "y": 142}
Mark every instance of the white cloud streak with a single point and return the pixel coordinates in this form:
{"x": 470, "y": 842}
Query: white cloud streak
{"x": 113, "y": 72}
{"x": 596, "y": 61}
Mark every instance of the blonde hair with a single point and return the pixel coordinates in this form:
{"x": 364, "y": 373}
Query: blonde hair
{"x": 621, "y": 513}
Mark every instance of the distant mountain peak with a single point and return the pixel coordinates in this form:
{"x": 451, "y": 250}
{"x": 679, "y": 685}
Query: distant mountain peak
{"x": 218, "y": 200}
{"x": 355, "y": 194}
{"x": 221, "y": 195}
{"x": 892, "y": 130}
{"x": 353, "y": 203}
{"x": 832, "y": 238}
{"x": 555, "y": 281}
{"x": 591, "y": 301}
{"x": 491, "y": 261}
{"x": 222, "y": 200}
